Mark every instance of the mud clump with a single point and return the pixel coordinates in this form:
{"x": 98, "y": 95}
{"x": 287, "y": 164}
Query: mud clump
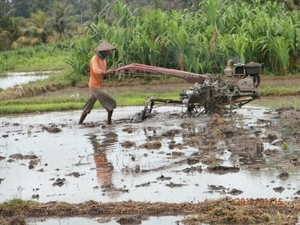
{"x": 130, "y": 220}
{"x": 147, "y": 184}
{"x": 173, "y": 185}
{"x": 32, "y": 164}
{"x": 284, "y": 109}
{"x": 295, "y": 161}
{"x": 162, "y": 178}
{"x": 279, "y": 189}
{"x": 192, "y": 142}
{"x": 218, "y": 188}
{"x": 74, "y": 174}
{"x": 151, "y": 145}
{"x": 272, "y": 137}
{"x": 177, "y": 154}
{"x": 235, "y": 192}
{"x": 128, "y": 130}
{"x": 52, "y": 129}
{"x": 193, "y": 169}
{"x": 59, "y": 182}
{"x": 218, "y": 120}
{"x": 128, "y": 144}
{"x": 176, "y": 145}
{"x": 283, "y": 176}
{"x": 19, "y": 156}
{"x": 271, "y": 152}
{"x": 211, "y": 160}
{"x": 192, "y": 161}
{"x": 223, "y": 169}
{"x": 171, "y": 133}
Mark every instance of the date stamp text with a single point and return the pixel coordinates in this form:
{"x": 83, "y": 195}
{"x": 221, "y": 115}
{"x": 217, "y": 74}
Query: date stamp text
{"x": 259, "y": 201}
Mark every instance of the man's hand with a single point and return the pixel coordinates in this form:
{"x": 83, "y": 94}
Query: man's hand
{"x": 109, "y": 71}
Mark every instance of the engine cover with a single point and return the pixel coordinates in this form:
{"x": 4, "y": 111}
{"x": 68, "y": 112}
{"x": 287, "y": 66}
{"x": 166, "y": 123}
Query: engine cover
{"x": 246, "y": 84}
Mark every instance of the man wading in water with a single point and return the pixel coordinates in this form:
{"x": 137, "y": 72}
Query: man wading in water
{"x": 98, "y": 71}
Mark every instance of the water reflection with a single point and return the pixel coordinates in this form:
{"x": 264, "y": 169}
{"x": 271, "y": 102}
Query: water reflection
{"x": 104, "y": 168}
{"x": 104, "y": 220}
{"x": 19, "y": 78}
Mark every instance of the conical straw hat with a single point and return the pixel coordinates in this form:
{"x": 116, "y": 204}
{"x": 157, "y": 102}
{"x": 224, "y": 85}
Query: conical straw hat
{"x": 105, "y": 46}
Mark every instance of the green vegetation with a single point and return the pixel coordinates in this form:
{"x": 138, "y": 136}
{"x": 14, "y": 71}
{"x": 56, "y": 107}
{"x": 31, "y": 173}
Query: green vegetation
{"x": 7, "y": 205}
{"x": 198, "y": 36}
{"x": 285, "y": 146}
{"x": 279, "y": 91}
{"x": 40, "y": 57}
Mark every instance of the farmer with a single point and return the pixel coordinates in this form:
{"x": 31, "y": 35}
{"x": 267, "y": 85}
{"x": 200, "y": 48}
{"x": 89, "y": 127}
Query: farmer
{"x": 98, "y": 71}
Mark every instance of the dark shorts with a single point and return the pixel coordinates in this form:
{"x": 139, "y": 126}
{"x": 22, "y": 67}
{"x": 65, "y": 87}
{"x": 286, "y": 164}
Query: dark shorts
{"x": 103, "y": 97}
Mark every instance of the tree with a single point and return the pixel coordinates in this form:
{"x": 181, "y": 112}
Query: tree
{"x": 9, "y": 28}
{"x": 37, "y": 26}
{"x": 98, "y": 7}
{"x": 21, "y": 8}
{"x": 61, "y": 21}
{"x": 39, "y": 5}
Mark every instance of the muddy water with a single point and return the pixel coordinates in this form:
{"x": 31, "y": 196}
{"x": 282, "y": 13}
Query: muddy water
{"x": 166, "y": 220}
{"x": 49, "y": 157}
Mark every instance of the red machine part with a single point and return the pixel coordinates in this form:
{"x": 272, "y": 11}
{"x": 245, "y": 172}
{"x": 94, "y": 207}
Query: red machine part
{"x": 189, "y": 77}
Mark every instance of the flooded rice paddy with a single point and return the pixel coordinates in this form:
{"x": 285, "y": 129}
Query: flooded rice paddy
{"x": 169, "y": 157}
{"x": 18, "y": 78}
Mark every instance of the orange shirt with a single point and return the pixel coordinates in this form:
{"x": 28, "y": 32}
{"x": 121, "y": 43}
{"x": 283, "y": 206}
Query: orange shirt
{"x": 97, "y": 67}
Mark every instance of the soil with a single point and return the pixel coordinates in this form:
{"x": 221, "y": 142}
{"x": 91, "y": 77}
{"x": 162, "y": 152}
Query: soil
{"x": 215, "y": 145}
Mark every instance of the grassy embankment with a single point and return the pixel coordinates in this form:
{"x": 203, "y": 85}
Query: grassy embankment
{"x": 65, "y": 91}
{"x": 218, "y": 211}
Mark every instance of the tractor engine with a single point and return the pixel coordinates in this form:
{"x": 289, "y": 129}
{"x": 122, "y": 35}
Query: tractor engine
{"x": 239, "y": 88}
{"x": 243, "y": 77}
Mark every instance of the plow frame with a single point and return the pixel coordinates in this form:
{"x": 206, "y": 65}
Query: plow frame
{"x": 235, "y": 101}
{"x": 211, "y": 94}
